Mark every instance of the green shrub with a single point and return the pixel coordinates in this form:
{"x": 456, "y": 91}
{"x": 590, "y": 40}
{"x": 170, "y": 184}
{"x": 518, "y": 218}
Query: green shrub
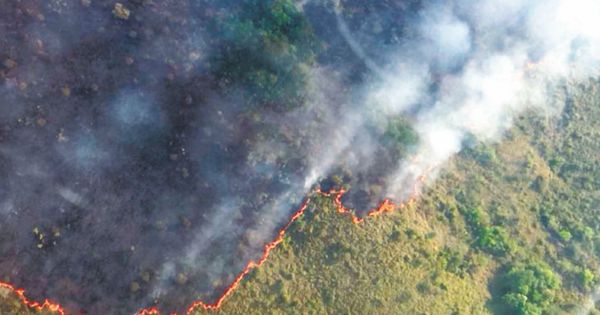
{"x": 565, "y": 235}
{"x": 400, "y": 135}
{"x": 494, "y": 240}
{"x": 491, "y": 239}
{"x": 266, "y": 45}
{"x": 519, "y": 303}
{"x": 530, "y": 289}
{"x": 586, "y": 278}
{"x": 485, "y": 155}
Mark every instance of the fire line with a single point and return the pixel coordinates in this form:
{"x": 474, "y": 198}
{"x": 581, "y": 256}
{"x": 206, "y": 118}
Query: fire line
{"x": 385, "y": 206}
{"x": 47, "y": 304}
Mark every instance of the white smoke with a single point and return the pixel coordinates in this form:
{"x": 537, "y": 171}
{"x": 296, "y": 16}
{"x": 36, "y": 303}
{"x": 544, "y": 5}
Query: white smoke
{"x": 471, "y": 68}
{"x": 509, "y": 51}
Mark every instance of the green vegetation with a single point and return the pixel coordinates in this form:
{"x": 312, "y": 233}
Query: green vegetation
{"x": 586, "y": 278}
{"x": 399, "y": 136}
{"x": 11, "y": 305}
{"x": 391, "y": 265}
{"x": 506, "y": 229}
{"x": 531, "y": 289}
{"x": 267, "y": 48}
{"x": 492, "y": 239}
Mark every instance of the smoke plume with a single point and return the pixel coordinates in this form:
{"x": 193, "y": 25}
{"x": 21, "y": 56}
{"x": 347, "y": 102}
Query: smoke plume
{"x": 137, "y": 171}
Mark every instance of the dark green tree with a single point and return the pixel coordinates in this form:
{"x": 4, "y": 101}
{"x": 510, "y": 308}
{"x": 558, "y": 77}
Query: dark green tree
{"x": 530, "y": 288}
{"x": 266, "y": 50}
{"x": 399, "y": 136}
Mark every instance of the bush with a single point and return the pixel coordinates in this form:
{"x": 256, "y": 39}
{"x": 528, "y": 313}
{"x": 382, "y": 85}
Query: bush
{"x": 586, "y": 278}
{"x": 453, "y": 262}
{"x": 530, "y": 289}
{"x": 485, "y": 155}
{"x": 518, "y": 302}
{"x": 265, "y": 47}
{"x": 565, "y": 235}
{"x": 494, "y": 240}
{"x": 491, "y": 239}
{"x": 400, "y": 135}
{"x": 556, "y": 163}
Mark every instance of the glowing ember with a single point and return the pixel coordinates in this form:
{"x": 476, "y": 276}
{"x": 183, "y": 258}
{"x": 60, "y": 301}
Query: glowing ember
{"x": 46, "y": 305}
{"x": 385, "y": 206}
{"x": 249, "y": 266}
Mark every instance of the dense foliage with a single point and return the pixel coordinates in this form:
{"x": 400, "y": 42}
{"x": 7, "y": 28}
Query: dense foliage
{"x": 399, "y": 136}
{"x": 531, "y": 289}
{"x": 485, "y": 238}
{"x": 507, "y": 228}
{"x": 266, "y": 50}
{"x": 488, "y": 237}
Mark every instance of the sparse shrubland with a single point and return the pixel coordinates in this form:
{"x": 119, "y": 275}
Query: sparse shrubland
{"x": 506, "y": 229}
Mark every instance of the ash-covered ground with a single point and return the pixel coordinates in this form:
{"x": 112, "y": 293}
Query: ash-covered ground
{"x": 149, "y": 149}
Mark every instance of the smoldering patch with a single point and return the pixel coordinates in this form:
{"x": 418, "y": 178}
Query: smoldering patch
{"x": 147, "y": 164}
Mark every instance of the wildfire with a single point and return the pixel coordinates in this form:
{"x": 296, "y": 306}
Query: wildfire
{"x": 385, "y": 206}
{"x": 531, "y": 67}
{"x": 47, "y": 304}
{"x": 249, "y": 266}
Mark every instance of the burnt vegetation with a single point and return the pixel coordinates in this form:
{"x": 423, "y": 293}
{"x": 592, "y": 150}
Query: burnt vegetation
{"x": 142, "y": 156}
{"x": 135, "y": 133}
{"x": 485, "y": 238}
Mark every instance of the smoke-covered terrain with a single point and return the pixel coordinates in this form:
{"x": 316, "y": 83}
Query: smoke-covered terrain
{"x": 149, "y": 149}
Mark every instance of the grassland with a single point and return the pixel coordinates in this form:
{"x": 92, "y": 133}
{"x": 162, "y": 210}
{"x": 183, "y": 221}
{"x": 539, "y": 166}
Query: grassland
{"x": 509, "y": 228}
{"x": 530, "y": 202}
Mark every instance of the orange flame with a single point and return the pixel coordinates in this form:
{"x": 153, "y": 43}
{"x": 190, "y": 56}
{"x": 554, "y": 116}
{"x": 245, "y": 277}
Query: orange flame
{"x": 47, "y": 304}
{"x": 385, "y": 206}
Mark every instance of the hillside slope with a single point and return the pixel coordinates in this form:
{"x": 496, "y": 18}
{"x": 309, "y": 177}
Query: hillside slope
{"x": 530, "y": 203}
{"x": 526, "y": 207}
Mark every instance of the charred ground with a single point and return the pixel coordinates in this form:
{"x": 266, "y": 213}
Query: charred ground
{"x": 131, "y": 132}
